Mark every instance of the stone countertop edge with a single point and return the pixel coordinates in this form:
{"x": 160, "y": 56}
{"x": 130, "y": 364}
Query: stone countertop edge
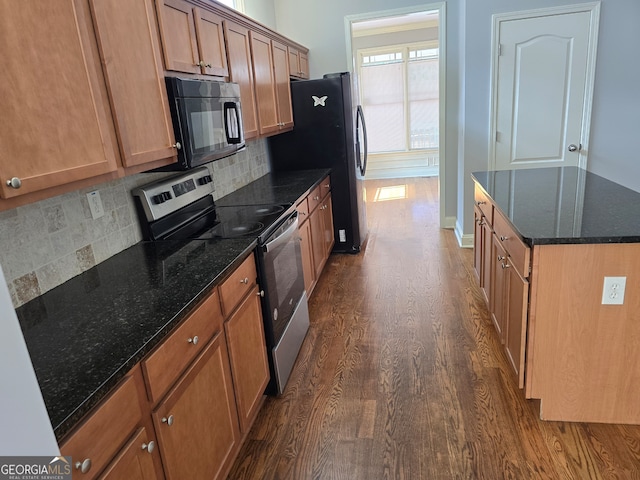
{"x": 600, "y": 221}
{"x": 50, "y": 314}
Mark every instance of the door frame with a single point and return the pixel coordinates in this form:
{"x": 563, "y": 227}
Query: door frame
{"x": 593, "y": 8}
{"x": 439, "y": 7}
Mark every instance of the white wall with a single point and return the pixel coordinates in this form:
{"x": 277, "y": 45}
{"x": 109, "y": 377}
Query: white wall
{"x": 615, "y": 115}
{"x": 319, "y": 25}
{"x": 262, "y": 11}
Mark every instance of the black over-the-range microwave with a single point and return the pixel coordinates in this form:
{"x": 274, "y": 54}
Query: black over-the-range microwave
{"x": 207, "y": 120}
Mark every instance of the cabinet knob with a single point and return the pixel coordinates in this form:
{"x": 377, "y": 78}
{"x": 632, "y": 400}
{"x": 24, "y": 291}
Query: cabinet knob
{"x": 260, "y": 293}
{"x": 503, "y": 238}
{"x": 500, "y": 258}
{"x": 193, "y": 340}
{"x": 15, "y": 182}
{"x": 505, "y": 265}
{"x": 84, "y": 466}
{"x": 481, "y": 203}
{"x": 177, "y": 145}
{"x": 316, "y": 198}
{"x": 245, "y": 280}
{"x": 168, "y": 421}
{"x": 149, "y": 447}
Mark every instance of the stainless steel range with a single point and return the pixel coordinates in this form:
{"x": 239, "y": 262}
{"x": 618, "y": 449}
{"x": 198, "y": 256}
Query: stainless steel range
{"x": 181, "y": 209}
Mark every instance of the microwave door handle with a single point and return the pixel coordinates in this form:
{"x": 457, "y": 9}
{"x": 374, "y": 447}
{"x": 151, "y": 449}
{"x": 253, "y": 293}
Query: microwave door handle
{"x": 231, "y": 123}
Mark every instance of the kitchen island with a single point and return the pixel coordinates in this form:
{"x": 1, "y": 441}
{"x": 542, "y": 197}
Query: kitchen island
{"x": 557, "y": 255}
{"x": 85, "y": 335}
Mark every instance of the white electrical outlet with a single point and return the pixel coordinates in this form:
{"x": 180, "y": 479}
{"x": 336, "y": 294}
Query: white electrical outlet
{"x": 613, "y": 290}
{"x": 342, "y": 236}
{"x": 95, "y": 204}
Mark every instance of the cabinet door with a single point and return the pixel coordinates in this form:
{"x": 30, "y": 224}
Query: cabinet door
{"x": 56, "y": 123}
{"x": 248, "y": 354}
{"x": 178, "y": 33}
{"x": 498, "y": 289}
{"x": 477, "y": 244}
{"x": 304, "y": 65}
{"x": 128, "y": 42}
{"x": 209, "y": 32}
{"x": 518, "y": 297}
{"x": 317, "y": 240}
{"x": 294, "y": 62}
{"x": 308, "y": 268}
{"x": 283, "y": 89}
{"x": 327, "y": 225}
{"x": 485, "y": 269}
{"x": 134, "y": 462}
{"x": 265, "y": 83}
{"x": 241, "y": 72}
{"x": 197, "y": 423}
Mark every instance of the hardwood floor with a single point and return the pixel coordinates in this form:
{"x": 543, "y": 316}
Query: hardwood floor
{"x": 402, "y": 376}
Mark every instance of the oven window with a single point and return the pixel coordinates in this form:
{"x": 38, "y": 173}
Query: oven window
{"x": 286, "y": 266}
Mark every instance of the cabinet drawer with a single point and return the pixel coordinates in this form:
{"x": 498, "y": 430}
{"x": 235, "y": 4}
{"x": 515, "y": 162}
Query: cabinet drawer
{"x": 172, "y": 357}
{"x": 516, "y": 248}
{"x": 483, "y": 203}
{"x": 303, "y": 210}
{"x": 325, "y": 187}
{"x": 314, "y": 198}
{"x": 234, "y": 288}
{"x": 101, "y": 436}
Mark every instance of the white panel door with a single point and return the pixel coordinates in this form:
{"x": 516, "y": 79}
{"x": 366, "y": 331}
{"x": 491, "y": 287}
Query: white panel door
{"x": 543, "y": 91}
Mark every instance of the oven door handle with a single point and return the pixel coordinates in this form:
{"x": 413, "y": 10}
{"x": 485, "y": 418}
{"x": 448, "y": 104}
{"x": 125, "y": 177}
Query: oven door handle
{"x": 285, "y": 235}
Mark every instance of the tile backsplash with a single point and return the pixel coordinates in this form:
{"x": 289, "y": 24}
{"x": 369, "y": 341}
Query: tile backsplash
{"x": 44, "y": 244}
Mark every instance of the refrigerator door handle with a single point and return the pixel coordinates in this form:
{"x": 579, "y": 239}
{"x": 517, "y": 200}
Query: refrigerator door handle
{"x": 362, "y": 164}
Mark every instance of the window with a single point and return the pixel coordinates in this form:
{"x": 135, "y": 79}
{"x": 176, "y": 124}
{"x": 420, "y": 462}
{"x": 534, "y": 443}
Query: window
{"x": 235, "y": 4}
{"x": 399, "y": 95}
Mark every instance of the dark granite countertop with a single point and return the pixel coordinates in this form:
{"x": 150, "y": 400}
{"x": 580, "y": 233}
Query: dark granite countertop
{"x": 86, "y": 334}
{"x": 564, "y": 205}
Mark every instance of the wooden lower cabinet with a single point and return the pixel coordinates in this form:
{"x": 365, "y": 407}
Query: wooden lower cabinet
{"x": 247, "y": 352}
{"x": 516, "y": 318}
{"x": 308, "y": 268}
{"x": 134, "y": 462}
{"x": 499, "y": 291}
{"x": 197, "y": 423}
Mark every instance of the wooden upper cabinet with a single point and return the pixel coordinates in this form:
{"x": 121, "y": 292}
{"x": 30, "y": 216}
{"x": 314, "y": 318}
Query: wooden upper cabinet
{"x": 192, "y": 38}
{"x": 210, "y": 35}
{"x": 127, "y": 38}
{"x": 283, "y": 89}
{"x": 241, "y": 72}
{"x": 55, "y": 126}
{"x": 265, "y": 83}
{"x": 298, "y": 63}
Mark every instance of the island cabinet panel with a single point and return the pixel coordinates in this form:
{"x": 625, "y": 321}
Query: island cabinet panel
{"x": 132, "y": 62}
{"x": 56, "y": 125}
{"x": 241, "y": 72}
{"x": 583, "y": 357}
{"x": 197, "y": 423}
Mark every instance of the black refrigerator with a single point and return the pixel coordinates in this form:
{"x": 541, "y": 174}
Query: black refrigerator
{"x": 329, "y": 132}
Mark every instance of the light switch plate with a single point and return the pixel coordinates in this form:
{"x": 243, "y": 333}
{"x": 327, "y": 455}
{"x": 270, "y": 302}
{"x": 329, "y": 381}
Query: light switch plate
{"x": 613, "y": 290}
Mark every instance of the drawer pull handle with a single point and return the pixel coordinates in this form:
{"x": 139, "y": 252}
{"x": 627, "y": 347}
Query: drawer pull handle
{"x": 503, "y": 238}
{"x": 15, "y": 182}
{"x": 193, "y": 340}
{"x": 168, "y": 421}
{"x": 149, "y": 447}
{"x": 84, "y": 466}
{"x": 245, "y": 280}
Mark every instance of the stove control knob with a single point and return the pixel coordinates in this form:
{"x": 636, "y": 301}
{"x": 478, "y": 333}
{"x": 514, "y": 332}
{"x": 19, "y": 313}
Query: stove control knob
{"x": 166, "y": 196}
{"x": 204, "y": 180}
{"x": 161, "y": 198}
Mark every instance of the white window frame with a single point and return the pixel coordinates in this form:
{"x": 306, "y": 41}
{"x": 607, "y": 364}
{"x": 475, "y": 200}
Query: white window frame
{"x": 405, "y": 48}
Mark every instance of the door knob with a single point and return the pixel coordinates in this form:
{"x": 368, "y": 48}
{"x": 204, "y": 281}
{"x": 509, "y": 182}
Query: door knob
{"x": 573, "y": 147}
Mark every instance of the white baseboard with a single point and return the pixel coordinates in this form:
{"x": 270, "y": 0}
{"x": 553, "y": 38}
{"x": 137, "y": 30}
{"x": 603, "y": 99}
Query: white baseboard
{"x": 464, "y": 240}
{"x": 449, "y": 222}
